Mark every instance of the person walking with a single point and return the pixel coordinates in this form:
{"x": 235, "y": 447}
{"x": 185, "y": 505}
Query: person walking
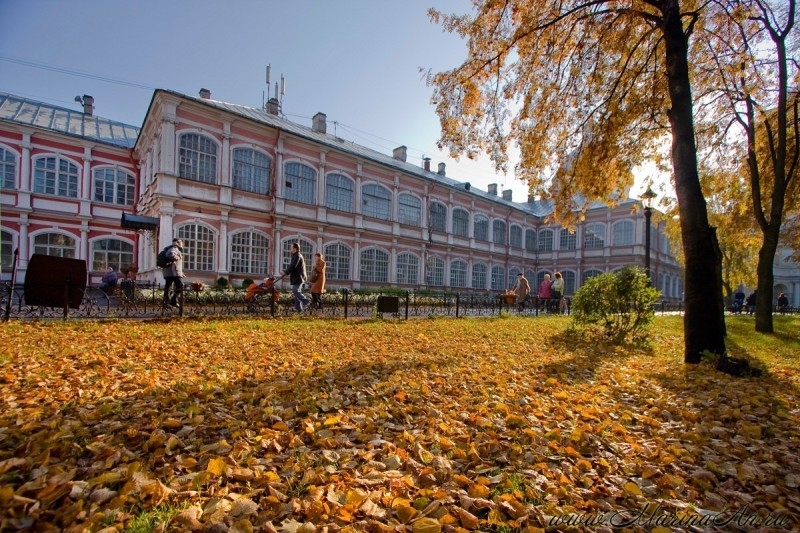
{"x": 545, "y": 292}
{"x": 557, "y": 293}
{"x": 318, "y": 276}
{"x": 173, "y": 274}
{"x": 522, "y": 289}
{"x": 297, "y": 276}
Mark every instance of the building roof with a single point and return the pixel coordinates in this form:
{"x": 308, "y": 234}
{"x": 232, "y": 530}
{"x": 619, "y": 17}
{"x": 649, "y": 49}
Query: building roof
{"x": 66, "y": 121}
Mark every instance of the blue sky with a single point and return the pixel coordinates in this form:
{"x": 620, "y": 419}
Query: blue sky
{"x": 357, "y": 61}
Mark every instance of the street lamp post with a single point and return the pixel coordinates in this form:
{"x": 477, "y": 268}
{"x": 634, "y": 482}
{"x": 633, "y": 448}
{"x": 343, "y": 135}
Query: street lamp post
{"x": 647, "y": 199}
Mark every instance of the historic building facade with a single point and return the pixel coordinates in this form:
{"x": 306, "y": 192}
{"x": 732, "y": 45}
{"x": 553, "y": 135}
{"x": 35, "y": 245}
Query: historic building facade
{"x": 239, "y": 184}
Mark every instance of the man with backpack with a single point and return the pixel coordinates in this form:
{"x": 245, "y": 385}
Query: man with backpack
{"x": 171, "y": 263}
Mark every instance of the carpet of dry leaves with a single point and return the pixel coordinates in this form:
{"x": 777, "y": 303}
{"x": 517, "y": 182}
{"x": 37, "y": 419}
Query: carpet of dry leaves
{"x": 419, "y": 426}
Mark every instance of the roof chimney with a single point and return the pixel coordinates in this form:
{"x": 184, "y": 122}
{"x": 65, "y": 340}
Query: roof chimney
{"x": 442, "y": 166}
{"x": 426, "y": 164}
{"x": 399, "y": 153}
{"x": 205, "y": 94}
{"x": 507, "y": 194}
{"x": 88, "y": 105}
{"x": 492, "y": 189}
{"x": 319, "y": 123}
{"x": 272, "y": 106}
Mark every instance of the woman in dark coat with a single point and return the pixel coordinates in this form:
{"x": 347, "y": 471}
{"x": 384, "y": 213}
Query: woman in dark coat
{"x": 318, "y": 281}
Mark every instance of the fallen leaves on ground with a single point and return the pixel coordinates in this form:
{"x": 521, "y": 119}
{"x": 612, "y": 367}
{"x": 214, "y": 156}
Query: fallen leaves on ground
{"x": 421, "y": 426}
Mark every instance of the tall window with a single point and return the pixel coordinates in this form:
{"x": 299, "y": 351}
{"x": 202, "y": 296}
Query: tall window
{"x": 409, "y": 210}
{"x": 438, "y": 217}
{"x": 512, "y": 276}
{"x": 6, "y": 250}
{"x": 301, "y": 183}
{"x": 479, "y": 276}
{"x": 376, "y": 201}
{"x": 407, "y": 268}
{"x": 114, "y": 186}
{"x": 458, "y": 273}
{"x": 481, "y": 228}
{"x": 111, "y": 253}
{"x": 530, "y": 240}
{"x": 567, "y": 240}
{"x": 337, "y": 260}
{"x": 55, "y": 175}
{"x": 545, "y": 240}
{"x": 8, "y": 169}
{"x": 530, "y": 275}
{"x": 515, "y": 236}
{"x": 435, "y": 271}
{"x": 623, "y": 233}
{"x": 198, "y": 247}
{"x": 460, "y": 222}
{"x": 594, "y": 235}
{"x": 499, "y": 231}
{"x": 569, "y": 282}
{"x": 198, "y": 158}
{"x": 498, "y": 278}
{"x": 56, "y": 244}
{"x": 306, "y": 250}
{"x": 374, "y": 265}
{"x": 250, "y": 253}
{"x": 339, "y": 193}
{"x": 251, "y": 170}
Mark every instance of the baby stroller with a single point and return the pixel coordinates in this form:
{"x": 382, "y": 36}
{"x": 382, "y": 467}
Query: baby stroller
{"x": 262, "y": 294}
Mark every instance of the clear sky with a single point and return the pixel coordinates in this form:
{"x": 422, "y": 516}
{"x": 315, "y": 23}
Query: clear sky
{"x": 357, "y": 61}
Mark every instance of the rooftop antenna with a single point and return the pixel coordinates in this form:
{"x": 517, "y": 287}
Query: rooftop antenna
{"x": 274, "y": 105}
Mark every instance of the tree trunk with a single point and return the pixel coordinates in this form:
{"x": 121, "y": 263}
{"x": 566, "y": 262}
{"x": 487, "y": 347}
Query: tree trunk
{"x": 766, "y": 279}
{"x": 703, "y": 323}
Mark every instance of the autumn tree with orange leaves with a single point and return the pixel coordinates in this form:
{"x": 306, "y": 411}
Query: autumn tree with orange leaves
{"x": 597, "y": 84}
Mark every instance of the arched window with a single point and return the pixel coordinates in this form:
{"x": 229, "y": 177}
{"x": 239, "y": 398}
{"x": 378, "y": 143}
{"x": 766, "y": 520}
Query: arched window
{"x": 198, "y": 159}
{"x": 250, "y": 253}
{"x": 498, "y": 278}
{"x": 301, "y": 183}
{"x": 198, "y": 247}
{"x": 435, "y": 271}
{"x": 567, "y": 240}
{"x": 409, "y": 210}
{"x": 512, "y": 276}
{"x": 438, "y": 217}
{"x": 55, "y": 175}
{"x": 111, "y": 253}
{"x": 8, "y": 169}
{"x": 479, "y": 276}
{"x": 594, "y": 235}
{"x": 306, "y": 250}
{"x": 251, "y": 170}
{"x": 481, "y": 228}
{"x": 515, "y": 236}
{"x": 407, "y": 269}
{"x": 499, "y": 231}
{"x": 376, "y": 201}
{"x": 545, "y": 240}
{"x": 374, "y": 266}
{"x": 6, "y": 250}
{"x": 337, "y": 260}
{"x": 458, "y": 273}
{"x": 530, "y": 240}
{"x": 530, "y": 275}
{"x": 339, "y": 193}
{"x": 588, "y": 274}
{"x": 623, "y": 233}
{"x": 460, "y": 222}
{"x": 55, "y": 244}
{"x": 114, "y": 186}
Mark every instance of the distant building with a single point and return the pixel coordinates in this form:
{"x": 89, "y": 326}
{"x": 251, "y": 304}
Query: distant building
{"x": 240, "y": 184}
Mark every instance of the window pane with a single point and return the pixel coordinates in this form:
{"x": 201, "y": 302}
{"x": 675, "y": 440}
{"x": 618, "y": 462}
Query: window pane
{"x": 530, "y": 240}
{"x": 481, "y": 226}
{"x": 111, "y": 253}
{"x": 435, "y": 271}
{"x": 568, "y": 240}
{"x": 409, "y": 210}
{"x": 438, "y": 217}
{"x": 55, "y": 244}
{"x": 6, "y": 250}
{"x": 515, "y": 236}
{"x": 250, "y": 254}
{"x": 52, "y": 175}
{"x": 114, "y": 186}
{"x": 198, "y": 158}
{"x": 8, "y": 169}
{"x": 376, "y": 201}
{"x": 337, "y": 259}
{"x": 546, "y": 240}
{"x": 479, "y": 276}
{"x": 594, "y": 235}
{"x": 499, "y": 232}
{"x": 198, "y": 247}
{"x": 407, "y": 269}
{"x": 498, "y": 278}
{"x": 374, "y": 265}
{"x": 458, "y": 274}
{"x": 251, "y": 171}
{"x": 623, "y": 233}
{"x": 301, "y": 183}
{"x": 339, "y": 193}
{"x": 460, "y": 222}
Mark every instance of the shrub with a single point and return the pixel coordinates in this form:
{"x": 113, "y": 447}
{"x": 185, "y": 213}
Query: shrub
{"x": 246, "y": 282}
{"x": 619, "y": 302}
{"x": 222, "y": 282}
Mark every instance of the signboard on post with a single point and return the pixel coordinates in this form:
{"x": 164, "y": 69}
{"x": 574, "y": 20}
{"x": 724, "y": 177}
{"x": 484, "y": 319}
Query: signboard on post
{"x": 55, "y": 281}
